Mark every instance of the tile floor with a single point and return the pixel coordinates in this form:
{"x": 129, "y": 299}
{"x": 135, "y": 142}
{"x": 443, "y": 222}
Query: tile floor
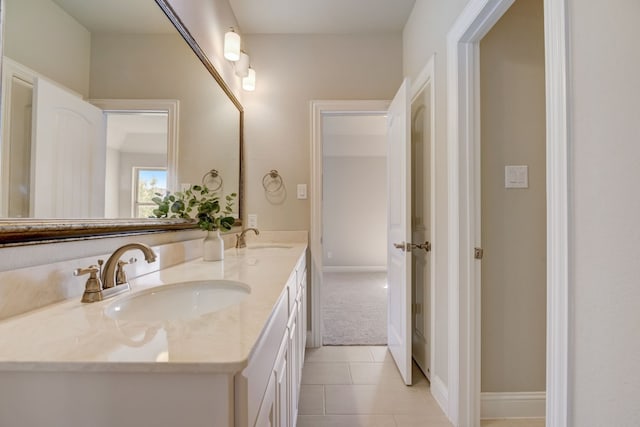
{"x": 359, "y": 386}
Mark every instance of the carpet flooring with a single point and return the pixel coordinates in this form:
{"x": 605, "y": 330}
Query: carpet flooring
{"x": 354, "y": 308}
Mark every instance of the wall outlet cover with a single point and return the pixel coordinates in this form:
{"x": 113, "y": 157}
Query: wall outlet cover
{"x": 252, "y": 221}
{"x": 302, "y": 191}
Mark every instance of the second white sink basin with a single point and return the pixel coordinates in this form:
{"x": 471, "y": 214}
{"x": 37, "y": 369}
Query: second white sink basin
{"x": 182, "y": 301}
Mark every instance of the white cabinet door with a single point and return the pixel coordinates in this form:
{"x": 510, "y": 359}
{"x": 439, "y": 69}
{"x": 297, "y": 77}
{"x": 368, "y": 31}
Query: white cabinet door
{"x": 267, "y": 414}
{"x": 399, "y": 231}
{"x": 281, "y": 374}
{"x": 294, "y": 376}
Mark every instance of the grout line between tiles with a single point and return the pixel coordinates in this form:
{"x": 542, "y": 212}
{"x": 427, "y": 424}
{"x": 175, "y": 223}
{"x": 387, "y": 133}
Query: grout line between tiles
{"x": 350, "y": 373}
{"x": 324, "y": 400}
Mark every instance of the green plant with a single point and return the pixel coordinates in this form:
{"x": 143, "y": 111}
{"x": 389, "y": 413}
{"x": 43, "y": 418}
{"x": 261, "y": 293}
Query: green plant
{"x": 197, "y": 202}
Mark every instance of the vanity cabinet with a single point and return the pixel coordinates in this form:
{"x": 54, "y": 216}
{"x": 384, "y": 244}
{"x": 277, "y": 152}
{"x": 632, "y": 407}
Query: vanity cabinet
{"x": 240, "y": 368}
{"x": 279, "y": 402}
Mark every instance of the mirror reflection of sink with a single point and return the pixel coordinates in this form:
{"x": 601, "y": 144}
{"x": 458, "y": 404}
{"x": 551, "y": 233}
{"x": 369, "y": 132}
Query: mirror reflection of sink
{"x": 178, "y": 301}
{"x": 269, "y": 246}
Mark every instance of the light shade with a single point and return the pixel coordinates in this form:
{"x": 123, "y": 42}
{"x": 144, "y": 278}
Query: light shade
{"x": 232, "y": 46}
{"x": 249, "y": 82}
{"x": 242, "y": 66}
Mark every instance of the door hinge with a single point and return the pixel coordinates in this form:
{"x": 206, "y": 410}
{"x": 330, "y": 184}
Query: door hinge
{"x": 416, "y": 308}
{"x": 478, "y": 253}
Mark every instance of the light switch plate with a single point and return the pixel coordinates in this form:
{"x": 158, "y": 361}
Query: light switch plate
{"x": 252, "y": 221}
{"x": 185, "y": 186}
{"x": 302, "y": 191}
{"x": 516, "y": 176}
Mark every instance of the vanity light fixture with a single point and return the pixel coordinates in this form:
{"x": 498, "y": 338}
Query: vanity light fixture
{"x": 249, "y": 82}
{"x": 242, "y": 65}
{"x": 232, "y": 45}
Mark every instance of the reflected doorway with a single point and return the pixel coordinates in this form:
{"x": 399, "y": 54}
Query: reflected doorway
{"x": 136, "y": 162}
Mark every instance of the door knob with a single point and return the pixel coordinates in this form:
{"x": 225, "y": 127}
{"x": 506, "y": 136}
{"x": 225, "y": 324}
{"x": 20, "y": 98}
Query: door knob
{"x": 402, "y": 246}
{"x": 426, "y": 246}
{"x": 409, "y": 246}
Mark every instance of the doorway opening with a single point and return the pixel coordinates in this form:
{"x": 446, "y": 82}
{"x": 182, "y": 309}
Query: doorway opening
{"x": 464, "y": 165}
{"x": 136, "y": 162}
{"x": 322, "y": 111}
{"x": 512, "y": 224}
{"x": 354, "y": 156}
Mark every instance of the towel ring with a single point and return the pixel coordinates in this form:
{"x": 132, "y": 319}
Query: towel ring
{"x": 271, "y": 179}
{"x": 215, "y": 176}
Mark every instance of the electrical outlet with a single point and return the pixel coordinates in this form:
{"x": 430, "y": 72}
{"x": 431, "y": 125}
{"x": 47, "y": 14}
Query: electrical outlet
{"x": 185, "y": 186}
{"x": 252, "y": 221}
{"x": 329, "y": 254}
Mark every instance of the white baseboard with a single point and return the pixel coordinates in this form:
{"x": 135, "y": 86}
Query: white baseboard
{"x": 354, "y": 269}
{"x": 440, "y": 392}
{"x": 512, "y": 405}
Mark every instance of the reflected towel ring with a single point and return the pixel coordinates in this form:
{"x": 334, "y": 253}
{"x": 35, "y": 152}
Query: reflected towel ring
{"x": 272, "y": 181}
{"x": 213, "y": 174}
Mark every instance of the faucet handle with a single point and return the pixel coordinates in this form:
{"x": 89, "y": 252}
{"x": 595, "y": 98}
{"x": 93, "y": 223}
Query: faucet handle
{"x": 121, "y": 275}
{"x": 93, "y": 287}
{"x": 92, "y": 270}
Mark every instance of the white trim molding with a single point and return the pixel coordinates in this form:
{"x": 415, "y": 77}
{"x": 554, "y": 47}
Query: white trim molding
{"x": 439, "y": 390}
{"x": 318, "y": 109}
{"x": 463, "y": 227}
{"x": 512, "y": 405}
{"x": 171, "y": 107}
{"x": 556, "y": 71}
{"x": 426, "y": 78}
{"x": 463, "y": 141}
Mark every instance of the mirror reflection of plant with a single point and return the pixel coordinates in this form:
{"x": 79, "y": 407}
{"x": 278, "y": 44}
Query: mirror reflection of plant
{"x": 197, "y": 202}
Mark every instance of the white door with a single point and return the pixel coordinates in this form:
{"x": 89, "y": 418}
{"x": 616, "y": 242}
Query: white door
{"x": 421, "y": 226}
{"x": 399, "y": 231}
{"x": 68, "y": 155}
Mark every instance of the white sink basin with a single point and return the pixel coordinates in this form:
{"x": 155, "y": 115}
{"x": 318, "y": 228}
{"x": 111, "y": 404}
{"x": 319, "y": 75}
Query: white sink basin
{"x": 185, "y": 300}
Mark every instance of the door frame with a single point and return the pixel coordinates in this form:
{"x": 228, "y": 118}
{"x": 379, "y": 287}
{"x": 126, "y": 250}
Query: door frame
{"x": 463, "y": 139}
{"x": 169, "y": 106}
{"x": 319, "y": 108}
{"x": 424, "y": 78}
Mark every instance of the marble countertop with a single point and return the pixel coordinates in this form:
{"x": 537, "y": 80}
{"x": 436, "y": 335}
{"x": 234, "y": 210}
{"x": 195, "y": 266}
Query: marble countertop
{"x": 73, "y": 336}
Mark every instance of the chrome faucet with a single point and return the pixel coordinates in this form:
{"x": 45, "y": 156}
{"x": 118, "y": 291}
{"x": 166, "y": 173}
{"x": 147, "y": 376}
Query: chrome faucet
{"x": 240, "y": 240}
{"x": 114, "y": 267}
{"x": 113, "y": 279}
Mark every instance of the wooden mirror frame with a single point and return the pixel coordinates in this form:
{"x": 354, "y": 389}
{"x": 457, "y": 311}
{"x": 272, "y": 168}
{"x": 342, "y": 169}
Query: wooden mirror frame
{"x": 16, "y": 232}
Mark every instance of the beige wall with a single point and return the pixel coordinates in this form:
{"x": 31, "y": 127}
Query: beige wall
{"x": 207, "y": 22}
{"x": 513, "y": 220}
{"x": 604, "y": 274}
{"x": 164, "y": 67}
{"x": 59, "y": 50}
{"x": 354, "y": 211}
{"x": 291, "y": 71}
{"x": 425, "y": 35}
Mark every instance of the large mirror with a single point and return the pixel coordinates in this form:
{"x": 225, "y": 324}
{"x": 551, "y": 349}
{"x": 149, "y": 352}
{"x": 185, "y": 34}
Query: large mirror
{"x": 104, "y": 104}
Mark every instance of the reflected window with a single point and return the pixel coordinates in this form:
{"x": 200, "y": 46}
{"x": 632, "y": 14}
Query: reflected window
{"x": 146, "y": 183}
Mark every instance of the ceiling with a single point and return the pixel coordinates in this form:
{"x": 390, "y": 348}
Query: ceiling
{"x": 118, "y": 16}
{"x": 321, "y": 16}
{"x": 254, "y": 16}
{"x": 137, "y": 132}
